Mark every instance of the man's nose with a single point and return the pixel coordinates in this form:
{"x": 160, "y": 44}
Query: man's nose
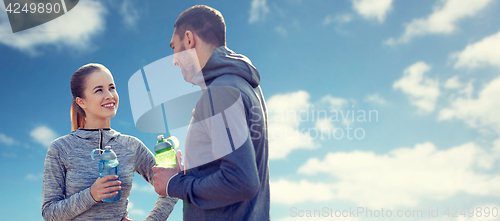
{"x": 175, "y": 62}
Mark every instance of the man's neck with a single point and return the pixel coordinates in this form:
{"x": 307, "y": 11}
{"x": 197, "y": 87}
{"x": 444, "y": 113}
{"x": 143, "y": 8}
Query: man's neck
{"x": 205, "y": 54}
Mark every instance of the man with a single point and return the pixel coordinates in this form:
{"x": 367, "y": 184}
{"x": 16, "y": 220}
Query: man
{"x": 226, "y": 174}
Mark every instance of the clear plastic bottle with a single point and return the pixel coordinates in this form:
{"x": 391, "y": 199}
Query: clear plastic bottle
{"x": 108, "y": 165}
{"x": 165, "y": 151}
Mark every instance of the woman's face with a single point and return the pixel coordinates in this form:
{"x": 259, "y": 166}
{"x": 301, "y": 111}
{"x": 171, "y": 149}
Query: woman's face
{"x": 101, "y": 98}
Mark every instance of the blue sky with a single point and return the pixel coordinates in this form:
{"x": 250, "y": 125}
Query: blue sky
{"x": 428, "y": 69}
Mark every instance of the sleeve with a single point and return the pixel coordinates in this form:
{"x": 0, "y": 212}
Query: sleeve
{"x": 144, "y": 162}
{"x": 55, "y": 204}
{"x": 237, "y": 177}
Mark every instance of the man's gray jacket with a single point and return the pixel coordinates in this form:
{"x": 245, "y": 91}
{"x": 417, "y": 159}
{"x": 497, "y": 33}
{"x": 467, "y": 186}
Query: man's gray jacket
{"x": 226, "y": 149}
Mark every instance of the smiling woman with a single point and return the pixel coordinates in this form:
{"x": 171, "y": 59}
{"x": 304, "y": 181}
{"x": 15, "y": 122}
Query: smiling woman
{"x": 72, "y": 186}
{"x": 95, "y": 99}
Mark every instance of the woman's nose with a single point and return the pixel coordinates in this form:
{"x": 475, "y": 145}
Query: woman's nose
{"x": 109, "y": 95}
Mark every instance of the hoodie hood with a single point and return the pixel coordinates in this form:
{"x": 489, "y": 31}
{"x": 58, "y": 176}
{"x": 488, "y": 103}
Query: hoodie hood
{"x": 224, "y": 61}
{"x": 91, "y": 135}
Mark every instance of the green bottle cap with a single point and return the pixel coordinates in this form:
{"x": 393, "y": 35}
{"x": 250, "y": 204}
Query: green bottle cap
{"x": 162, "y": 144}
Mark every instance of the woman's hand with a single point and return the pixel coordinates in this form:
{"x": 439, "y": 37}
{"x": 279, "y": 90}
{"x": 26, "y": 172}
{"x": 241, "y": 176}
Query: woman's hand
{"x": 100, "y": 189}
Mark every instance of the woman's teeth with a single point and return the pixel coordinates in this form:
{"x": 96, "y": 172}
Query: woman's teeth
{"x": 109, "y": 105}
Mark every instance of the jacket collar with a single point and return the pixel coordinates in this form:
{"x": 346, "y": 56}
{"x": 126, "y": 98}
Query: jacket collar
{"x": 107, "y": 134}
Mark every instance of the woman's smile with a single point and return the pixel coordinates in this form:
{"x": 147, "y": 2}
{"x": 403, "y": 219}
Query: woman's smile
{"x": 109, "y": 105}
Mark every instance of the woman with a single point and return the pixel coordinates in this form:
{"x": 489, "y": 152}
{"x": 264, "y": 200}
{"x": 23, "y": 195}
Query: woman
{"x": 72, "y": 189}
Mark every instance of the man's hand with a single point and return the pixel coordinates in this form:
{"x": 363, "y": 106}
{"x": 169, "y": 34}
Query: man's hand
{"x": 163, "y": 175}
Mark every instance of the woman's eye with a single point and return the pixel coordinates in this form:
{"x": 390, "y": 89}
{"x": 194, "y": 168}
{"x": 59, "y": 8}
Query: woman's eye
{"x": 98, "y": 90}
{"x": 112, "y": 88}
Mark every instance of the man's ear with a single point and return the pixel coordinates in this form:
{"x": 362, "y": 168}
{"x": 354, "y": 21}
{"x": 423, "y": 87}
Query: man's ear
{"x": 189, "y": 39}
{"x": 81, "y": 103}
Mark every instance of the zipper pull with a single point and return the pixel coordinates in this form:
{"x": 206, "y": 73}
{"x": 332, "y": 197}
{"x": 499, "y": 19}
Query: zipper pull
{"x": 100, "y": 138}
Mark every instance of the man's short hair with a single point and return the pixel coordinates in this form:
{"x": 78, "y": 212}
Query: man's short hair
{"x": 204, "y": 21}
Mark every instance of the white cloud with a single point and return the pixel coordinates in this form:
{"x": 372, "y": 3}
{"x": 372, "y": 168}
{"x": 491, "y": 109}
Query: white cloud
{"x": 33, "y": 177}
{"x": 6, "y": 139}
{"x": 281, "y": 30}
{"x": 373, "y": 9}
{"x": 132, "y": 211}
{"x": 403, "y": 177}
{"x": 129, "y": 13}
{"x": 496, "y": 148}
{"x": 422, "y": 91}
{"x": 481, "y": 112}
{"x": 313, "y": 192}
{"x": 43, "y": 135}
{"x": 143, "y": 188}
{"x": 467, "y": 90}
{"x": 9, "y": 155}
{"x": 455, "y": 87}
{"x": 443, "y": 20}
{"x": 328, "y": 20}
{"x": 73, "y": 30}
{"x": 453, "y": 83}
{"x": 284, "y": 117}
{"x": 479, "y": 54}
{"x": 375, "y": 99}
{"x": 296, "y": 24}
{"x": 258, "y": 11}
{"x": 339, "y": 19}
{"x": 335, "y": 103}
{"x": 325, "y": 126}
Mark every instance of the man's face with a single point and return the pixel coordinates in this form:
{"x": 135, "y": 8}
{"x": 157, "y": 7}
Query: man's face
{"x": 187, "y": 60}
{"x": 176, "y": 44}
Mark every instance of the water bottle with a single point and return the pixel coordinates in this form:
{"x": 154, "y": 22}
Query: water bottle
{"x": 165, "y": 151}
{"x": 108, "y": 165}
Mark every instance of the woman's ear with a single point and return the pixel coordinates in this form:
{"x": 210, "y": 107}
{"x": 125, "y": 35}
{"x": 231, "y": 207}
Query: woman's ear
{"x": 81, "y": 103}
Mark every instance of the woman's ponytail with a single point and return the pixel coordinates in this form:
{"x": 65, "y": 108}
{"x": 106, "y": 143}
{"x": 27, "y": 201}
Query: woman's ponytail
{"x": 77, "y": 118}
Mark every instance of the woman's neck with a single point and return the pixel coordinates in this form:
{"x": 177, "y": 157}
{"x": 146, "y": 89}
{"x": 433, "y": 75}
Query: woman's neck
{"x": 97, "y": 123}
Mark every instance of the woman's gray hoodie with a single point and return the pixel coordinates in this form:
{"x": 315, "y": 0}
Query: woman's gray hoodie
{"x": 69, "y": 171}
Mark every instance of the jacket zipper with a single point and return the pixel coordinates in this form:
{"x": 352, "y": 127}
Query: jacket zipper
{"x": 100, "y": 140}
